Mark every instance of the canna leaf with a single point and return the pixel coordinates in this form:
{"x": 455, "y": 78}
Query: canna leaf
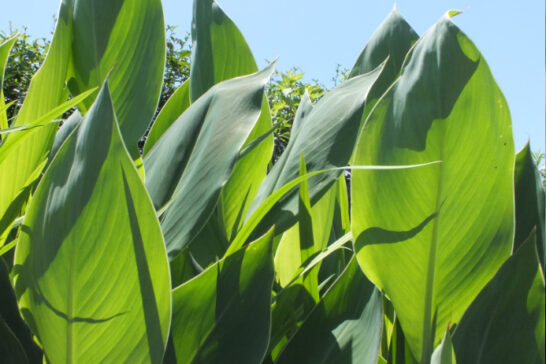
{"x": 220, "y": 52}
{"x": 5, "y": 48}
{"x": 171, "y": 111}
{"x": 22, "y": 153}
{"x": 345, "y": 327}
{"x": 505, "y": 323}
{"x": 529, "y": 202}
{"x": 79, "y": 284}
{"x": 12, "y": 326}
{"x": 124, "y": 40}
{"x": 391, "y": 40}
{"x": 432, "y": 237}
{"x": 223, "y": 314}
{"x": 191, "y": 162}
{"x": 325, "y": 144}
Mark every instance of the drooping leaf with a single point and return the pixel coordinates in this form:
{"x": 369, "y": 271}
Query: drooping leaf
{"x": 191, "y": 162}
{"x": 124, "y": 40}
{"x": 171, "y": 111}
{"x": 91, "y": 272}
{"x": 220, "y": 52}
{"x": 529, "y": 201}
{"x": 505, "y": 324}
{"x": 324, "y": 143}
{"x": 432, "y": 237}
{"x": 345, "y": 327}
{"x": 223, "y": 314}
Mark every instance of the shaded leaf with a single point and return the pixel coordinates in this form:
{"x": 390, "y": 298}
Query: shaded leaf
{"x": 345, "y": 327}
{"x": 505, "y": 323}
{"x": 223, "y": 314}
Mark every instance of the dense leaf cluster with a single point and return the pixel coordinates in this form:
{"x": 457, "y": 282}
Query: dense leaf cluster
{"x": 191, "y": 246}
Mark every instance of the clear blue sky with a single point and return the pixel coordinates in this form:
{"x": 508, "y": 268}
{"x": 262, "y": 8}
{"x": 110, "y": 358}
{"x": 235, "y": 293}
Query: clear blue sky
{"x": 317, "y": 35}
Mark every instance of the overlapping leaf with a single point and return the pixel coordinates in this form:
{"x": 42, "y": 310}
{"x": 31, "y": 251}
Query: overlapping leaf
{"x": 91, "y": 271}
{"x": 219, "y": 53}
{"x": 326, "y": 138}
{"x": 223, "y": 315}
{"x": 505, "y": 324}
{"x": 432, "y": 237}
{"x": 529, "y": 201}
{"x": 188, "y": 166}
{"x": 345, "y": 327}
{"x": 124, "y": 39}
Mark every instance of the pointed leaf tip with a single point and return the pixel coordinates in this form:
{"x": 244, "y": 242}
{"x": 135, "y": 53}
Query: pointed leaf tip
{"x": 453, "y": 12}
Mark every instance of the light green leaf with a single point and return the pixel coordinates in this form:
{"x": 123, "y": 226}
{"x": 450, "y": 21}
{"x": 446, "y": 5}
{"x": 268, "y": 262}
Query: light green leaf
{"x": 91, "y": 272}
{"x": 219, "y": 50}
{"x": 49, "y": 117}
{"x": 22, "y": 153}
{"x": 5, "y": 48}
{"x": 345, "y": 327}
{"x": 223, "y": 314}
{"x": 124, "y": 40}
{"x": 505, "y": 324}
{"x": 258, "y": 215}
{"x": 191, "y": 162}
{"x": 529, "y": 201}
{"x": 171, "y": 111}
{"x": 432, "y": 237}
{"x": 324, "y": 143}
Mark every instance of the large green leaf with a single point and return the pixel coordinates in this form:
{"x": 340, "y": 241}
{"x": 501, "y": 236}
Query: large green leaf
{"x": 326, "y": 138}
{"x": 91, "y": 272}
{"x": 220, "y": 52}
{"x": 432, "y": 237}
{"x": 505, "y": 324}
{"x": 345, "y": 327}
{"x": 124, "y": 40}
{"x": 171, "y": 111}
{"x": 5, "y": 48}
{"x": 529, "y": 201}
{"x": 223, "y": 314}
{"x": 190, "y": 163}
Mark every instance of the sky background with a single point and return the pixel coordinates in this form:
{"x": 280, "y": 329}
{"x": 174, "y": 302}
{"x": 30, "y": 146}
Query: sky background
{"x": 317, "y": 35}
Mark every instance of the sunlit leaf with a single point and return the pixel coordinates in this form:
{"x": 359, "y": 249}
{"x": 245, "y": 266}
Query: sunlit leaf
{"x": 91, "y": 272}
{"x": 432, "y": 237}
